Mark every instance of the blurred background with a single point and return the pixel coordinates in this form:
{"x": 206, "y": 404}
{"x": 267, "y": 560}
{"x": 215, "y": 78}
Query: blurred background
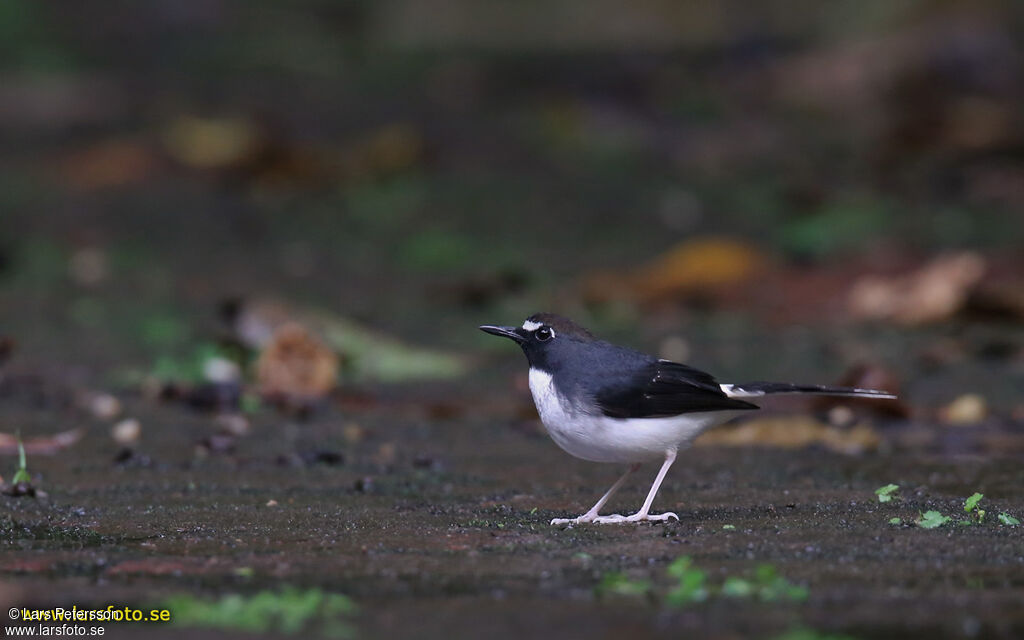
{"x": 314, "y": 203}
{"x": 749, "y": 180}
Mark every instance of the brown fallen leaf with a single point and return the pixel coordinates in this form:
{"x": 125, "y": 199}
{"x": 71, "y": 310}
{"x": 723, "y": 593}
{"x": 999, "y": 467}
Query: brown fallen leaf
{"x": 792, "y": 432}
{"x": 212, "y": 143}
{"x": 43, "y": 445}
{"x": 367, "y": 354}
{"x": 934, "y": 292}
{"x": 245, "y": 149}
{"x": 295, "y": 364}
{"x": 696, "y": 266}
{"x": 966, "y": 410}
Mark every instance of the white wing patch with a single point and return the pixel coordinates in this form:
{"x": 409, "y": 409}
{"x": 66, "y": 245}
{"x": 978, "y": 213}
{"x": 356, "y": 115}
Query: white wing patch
{"x": 733, "y": 391}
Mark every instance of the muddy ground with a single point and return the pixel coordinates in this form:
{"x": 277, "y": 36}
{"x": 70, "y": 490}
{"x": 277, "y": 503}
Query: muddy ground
{"x": 437, "y": 526}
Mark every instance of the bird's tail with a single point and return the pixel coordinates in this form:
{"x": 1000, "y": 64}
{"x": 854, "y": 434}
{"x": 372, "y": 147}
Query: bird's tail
{"x": 756, "y": 389}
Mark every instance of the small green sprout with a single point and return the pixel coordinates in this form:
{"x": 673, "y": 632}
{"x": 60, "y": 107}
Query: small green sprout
{"x": 971, "y": 505}
{"x": 772, "y": 586}
{"x": 728, "y": 527}
{"x": 885, "y": 494}
{"x": 619, "y": 584}
{"x": 932, "y": 520}
{"x": 583, "y": 558}
{"x": 766, "y": 585}
{"x": 895, "y": 521}
{"x": 533, "y": 511}
{"x": 21, "y": 476}
{"x": 735, "y": 587}
{"x": 1007, "y": 519}
{"x": 972, "y": 502}
{"x": 691, "y": 587}
{"x": 285, "y": 612}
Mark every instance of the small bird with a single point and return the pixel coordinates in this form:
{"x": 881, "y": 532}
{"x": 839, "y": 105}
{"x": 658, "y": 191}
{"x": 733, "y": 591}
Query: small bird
{"x": 606, "y": 403}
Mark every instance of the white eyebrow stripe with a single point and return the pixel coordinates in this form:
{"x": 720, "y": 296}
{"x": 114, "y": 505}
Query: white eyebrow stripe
{"x": 530, "y": 325}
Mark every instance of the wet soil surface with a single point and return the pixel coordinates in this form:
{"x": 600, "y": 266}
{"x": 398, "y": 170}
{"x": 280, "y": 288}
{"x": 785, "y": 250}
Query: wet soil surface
{"x": 436, "y": 524}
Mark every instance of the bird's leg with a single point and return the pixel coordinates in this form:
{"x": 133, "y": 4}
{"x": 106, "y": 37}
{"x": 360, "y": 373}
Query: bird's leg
{"x": 643, "y": 513}
{"x": 591, "y": 516}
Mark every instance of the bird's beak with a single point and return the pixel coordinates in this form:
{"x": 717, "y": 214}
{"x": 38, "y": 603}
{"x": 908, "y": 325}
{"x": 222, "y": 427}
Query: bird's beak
{"x": 507, "y": 332}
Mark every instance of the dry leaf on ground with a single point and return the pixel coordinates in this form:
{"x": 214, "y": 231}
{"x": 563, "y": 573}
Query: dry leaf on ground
{"x": 296, "y": 364}
{"x": 934, "y": 292}
{"x": 793, "y": 432}
{"x": 967, "y": 409}
{"x": 367, "y": 354}
{"x": 697, "y": 266}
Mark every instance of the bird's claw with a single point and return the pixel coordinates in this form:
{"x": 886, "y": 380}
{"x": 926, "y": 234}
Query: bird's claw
{"x": 662, "y": 517}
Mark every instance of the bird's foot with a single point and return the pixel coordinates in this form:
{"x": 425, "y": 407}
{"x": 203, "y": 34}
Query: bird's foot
{"x": 654, "y": 517}
{"x": 586, "y": 517}
{"x": 616, "y": 518}
{"x": 636, "y": 517}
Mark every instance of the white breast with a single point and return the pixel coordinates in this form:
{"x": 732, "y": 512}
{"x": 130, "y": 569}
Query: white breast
{"x": 599, "y": 438}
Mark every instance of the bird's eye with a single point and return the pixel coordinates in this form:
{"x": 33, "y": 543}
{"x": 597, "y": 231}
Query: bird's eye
{"x": 544, "y": 334}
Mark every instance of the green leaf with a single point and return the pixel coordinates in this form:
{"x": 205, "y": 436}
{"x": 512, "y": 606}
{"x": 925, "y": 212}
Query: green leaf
{"x": 895, "y": 521}
{"x": 932, "y": 519}
{"x": 797, "y": 593}
{"x": 728, "y": 527}
{"x": 619, "y": 584}
{"x": 972, "y": 502}
{"x": 21, "y": 475}
{"x": 690, "y": 590}
{"x": 1007, "y": 519}
{"x": 679, "y": 566}
{"x": 370, "y": 355}
{"x": 734, "y": 587}
{"x": 772, "y": 586}
{"x": 289, "y": 611}
{"x": 885, "y": 493}
{"x": 691, "y": 587}
{"x": 766, "y": 573}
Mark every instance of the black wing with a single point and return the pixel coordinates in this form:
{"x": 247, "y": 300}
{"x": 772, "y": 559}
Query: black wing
{"x": 663, "y": 388}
